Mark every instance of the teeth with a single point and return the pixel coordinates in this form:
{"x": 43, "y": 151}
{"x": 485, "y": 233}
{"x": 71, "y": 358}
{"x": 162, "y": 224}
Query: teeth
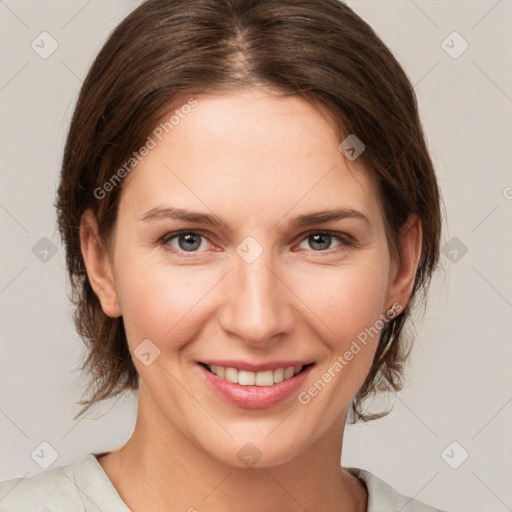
{"x": 289, "y": 372}
{"x": 245, "y": 378}
{"x": 278, "y": 375}
{"x": 231, "y": 375}
{"x": 265, "y": 378}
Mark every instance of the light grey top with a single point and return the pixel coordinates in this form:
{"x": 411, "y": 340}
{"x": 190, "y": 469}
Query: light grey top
{"x": 85, "y": 487}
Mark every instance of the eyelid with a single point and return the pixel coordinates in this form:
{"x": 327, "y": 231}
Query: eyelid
{"x": 346, "y": 241}
{"x": 345, "y": 237}
{"x": 175, "y": 234}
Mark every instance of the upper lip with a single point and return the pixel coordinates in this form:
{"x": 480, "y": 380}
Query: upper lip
{"x": 251, "y": 367}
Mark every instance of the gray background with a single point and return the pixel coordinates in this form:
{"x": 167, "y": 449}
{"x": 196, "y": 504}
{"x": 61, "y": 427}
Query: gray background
{"x": 459, "y": 385}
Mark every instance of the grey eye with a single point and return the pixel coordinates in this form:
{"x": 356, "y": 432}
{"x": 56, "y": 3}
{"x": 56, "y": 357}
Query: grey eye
{"x": 321, "y": 241}
{"x": 189, "y": 241}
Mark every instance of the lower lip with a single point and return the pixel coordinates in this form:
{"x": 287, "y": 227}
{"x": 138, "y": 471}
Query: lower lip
{"x": 255, "y": 397}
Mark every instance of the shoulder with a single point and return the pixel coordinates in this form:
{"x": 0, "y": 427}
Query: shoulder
{"x": 81, "y": 486}
{"x": 52, "y": 489}
{"x": 381, "y": 494}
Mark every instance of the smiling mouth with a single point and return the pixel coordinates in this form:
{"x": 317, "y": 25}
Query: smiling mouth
{"x": 248, "y": 378}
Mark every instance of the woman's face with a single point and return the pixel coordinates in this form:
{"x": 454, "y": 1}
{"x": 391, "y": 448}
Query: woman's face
{"x": 251, "y": 286}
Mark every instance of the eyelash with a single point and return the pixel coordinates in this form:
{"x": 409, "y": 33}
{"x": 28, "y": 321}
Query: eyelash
{"x": 346, "y": 240}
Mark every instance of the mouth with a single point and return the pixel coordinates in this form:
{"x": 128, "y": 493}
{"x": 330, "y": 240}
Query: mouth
{"x": 254, "y": 390}
{"x": 265, "y": 378}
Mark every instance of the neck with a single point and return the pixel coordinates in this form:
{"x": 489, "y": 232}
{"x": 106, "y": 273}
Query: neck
{"x": 161, "y": 469}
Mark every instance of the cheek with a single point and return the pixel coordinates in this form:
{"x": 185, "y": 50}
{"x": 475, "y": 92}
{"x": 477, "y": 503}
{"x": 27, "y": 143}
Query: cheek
{"x": 348, "y": 306}
{"x": 161, "y": 301}
{"x": 346, "y": 299}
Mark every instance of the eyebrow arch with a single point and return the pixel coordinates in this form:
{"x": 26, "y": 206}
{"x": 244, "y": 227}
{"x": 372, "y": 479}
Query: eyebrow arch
{"x": 213, "y": 220}
{"x": 329, "y": 215}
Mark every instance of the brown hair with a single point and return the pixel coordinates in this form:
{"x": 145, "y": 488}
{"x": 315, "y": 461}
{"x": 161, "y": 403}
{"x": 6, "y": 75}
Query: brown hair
{"x": 166, "y": 51}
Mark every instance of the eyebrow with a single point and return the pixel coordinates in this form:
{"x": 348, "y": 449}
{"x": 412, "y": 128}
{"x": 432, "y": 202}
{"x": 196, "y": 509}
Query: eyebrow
{"x": 213, "y": 220}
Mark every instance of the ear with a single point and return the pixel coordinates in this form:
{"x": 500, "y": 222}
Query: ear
{"x": 404, "y": 270}
{"x": 98, "y": 265}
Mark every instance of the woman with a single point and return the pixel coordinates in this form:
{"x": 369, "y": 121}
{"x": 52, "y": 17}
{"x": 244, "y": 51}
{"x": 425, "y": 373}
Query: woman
{"x": 249, "y": 211}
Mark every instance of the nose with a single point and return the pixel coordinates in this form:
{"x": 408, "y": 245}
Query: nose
{"x": 257, "y": 304}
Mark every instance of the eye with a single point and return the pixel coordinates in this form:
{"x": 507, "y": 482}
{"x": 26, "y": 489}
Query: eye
{"x": 190, "y": 241}
{"x": 320, "y": 241}
{"x": 187, "y": 241}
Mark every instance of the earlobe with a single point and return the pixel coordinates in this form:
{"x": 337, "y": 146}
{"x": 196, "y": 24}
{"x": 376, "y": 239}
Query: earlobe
{"x": 98, "y": 266}
{"x": 410, "y": 243}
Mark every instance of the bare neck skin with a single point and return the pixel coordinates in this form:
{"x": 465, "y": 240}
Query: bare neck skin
{"x": 161, "y": 470}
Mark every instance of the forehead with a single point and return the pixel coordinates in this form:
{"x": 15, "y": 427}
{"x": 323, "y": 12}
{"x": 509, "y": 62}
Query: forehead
{"x": 249, "y": 151}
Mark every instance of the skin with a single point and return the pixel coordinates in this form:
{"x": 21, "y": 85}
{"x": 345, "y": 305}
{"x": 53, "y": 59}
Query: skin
{"x": 256, "y": 161}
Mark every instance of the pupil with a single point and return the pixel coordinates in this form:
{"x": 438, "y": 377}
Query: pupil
{"x": 322, "y": 239}
{"x": 189, "y": 237}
